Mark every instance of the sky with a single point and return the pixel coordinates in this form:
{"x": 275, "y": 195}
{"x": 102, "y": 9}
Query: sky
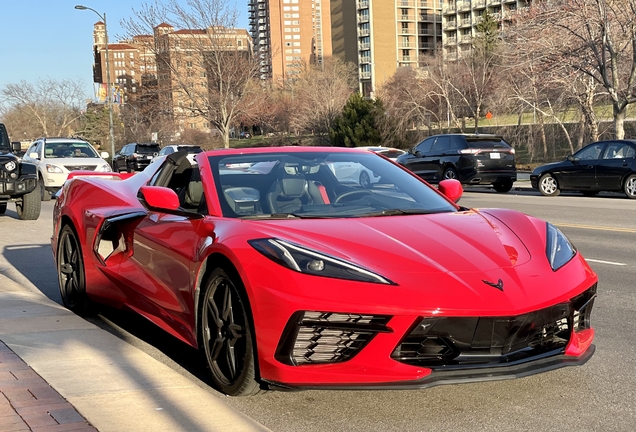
{"x": 50, "y": 39}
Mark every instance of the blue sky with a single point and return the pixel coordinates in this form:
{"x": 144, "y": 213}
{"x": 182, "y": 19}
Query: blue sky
{"x": 43, "y": 39}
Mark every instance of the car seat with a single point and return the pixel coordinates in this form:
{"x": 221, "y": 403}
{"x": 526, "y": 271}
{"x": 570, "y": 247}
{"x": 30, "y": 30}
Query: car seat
{"x": 291, "y": 191}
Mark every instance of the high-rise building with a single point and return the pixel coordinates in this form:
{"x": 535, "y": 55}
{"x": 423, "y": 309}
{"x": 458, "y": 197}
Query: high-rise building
{"x": 288, "y": 34}
{"x": 389, "y": 34}
{"x": 460, "y": 18}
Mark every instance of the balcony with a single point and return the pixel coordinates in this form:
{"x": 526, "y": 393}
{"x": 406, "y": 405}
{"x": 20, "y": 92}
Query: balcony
{"x": 407, "y": 58}
{"x": 406, "y": 3}
{"x": 465, "y": 22}
{"x": 363, "y": 32}
{"x": 365, "y": 59}
{"x": 425, "y": 3}
{"x": 363, "y": 18}
{"x": 463, "y": 6}
{"x": 364, "y": 46}
{"x": 363, "y": 4}
{"x": 365, "y": 75}
{"x": 480, "y": 4}
{"x": 407, "y": 31}
{"x": 406, "y": 17}
{"x": 449, "y": 9}
{"x": 450, "y": 25}
{"x": 451, "y": 40}
{"x": 425, "y": 31}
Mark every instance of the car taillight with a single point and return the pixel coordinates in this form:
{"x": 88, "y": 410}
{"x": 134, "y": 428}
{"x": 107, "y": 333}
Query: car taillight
{"x": 469, "y": 151}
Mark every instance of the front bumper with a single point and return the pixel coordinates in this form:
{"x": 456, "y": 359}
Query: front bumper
{"x": 544, "y": 363}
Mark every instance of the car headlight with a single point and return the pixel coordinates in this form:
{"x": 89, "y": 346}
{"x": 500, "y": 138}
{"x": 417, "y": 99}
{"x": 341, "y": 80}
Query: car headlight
{"x": 53, "y": 168}
{"x": 104, "y": 168}
{"x": 10, "y": 166}
{"x": 559, "y": 250}
{"x": 308, "y": 261}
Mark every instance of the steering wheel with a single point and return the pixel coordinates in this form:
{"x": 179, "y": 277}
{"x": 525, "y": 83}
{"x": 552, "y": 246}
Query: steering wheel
{"x": 351, "y": 193}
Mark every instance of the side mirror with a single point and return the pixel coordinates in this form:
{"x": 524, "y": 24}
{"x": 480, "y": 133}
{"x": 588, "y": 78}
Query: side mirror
{"x": 158, "y": 198}
{"x": 34, "y": 155}
{"x": 570, "y": 158}
{"x": 16, "y": 146}
{"x": 164, "y": 200}
{"x": 451, "y": 189}
{"x": 104, "y": 155}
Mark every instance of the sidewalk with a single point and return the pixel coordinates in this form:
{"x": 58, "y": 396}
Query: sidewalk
{"x": 59, "y": 372}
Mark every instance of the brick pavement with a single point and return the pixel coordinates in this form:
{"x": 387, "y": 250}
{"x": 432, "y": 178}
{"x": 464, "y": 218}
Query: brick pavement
{"x": 28, "y": 403}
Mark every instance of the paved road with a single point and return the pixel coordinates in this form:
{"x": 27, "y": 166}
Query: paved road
{"x": 599, "y": 396}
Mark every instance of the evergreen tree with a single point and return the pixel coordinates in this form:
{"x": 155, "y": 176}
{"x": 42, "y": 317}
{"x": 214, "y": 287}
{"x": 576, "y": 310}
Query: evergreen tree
{"x": 357, "y": 125}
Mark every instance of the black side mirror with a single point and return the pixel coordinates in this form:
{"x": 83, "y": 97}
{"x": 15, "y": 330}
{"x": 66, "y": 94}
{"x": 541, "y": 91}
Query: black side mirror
{"x": 16, "y": 146}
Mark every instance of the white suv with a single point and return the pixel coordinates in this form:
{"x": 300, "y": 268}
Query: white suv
{"x": 57, "y": 157}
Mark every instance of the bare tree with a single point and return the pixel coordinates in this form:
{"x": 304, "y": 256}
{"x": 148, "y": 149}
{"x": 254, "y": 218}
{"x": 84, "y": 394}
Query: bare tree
{"x": 320, "y": 94}
{"x": 596, "y": 38}
{"x": 54, "y": 105}
{"x": 206, "y": 66}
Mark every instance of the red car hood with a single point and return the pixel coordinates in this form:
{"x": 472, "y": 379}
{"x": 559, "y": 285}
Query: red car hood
{"x": 449, "y": 242}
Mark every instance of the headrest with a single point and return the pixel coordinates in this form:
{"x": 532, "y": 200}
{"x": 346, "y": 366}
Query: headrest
{"x": 292, "y": 187}
{"x": 194, "y": 193}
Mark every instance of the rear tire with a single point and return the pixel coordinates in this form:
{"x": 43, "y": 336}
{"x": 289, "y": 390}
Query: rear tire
{"x": 70, "y": 273}
{"x": 449, "y": 173}
{"x": 365, "y": 180}
{"x": 630, "y": 186}
{"x": 503, "y": 187}
{"x": 548, "y": 185}
{"x": 29, "y": 206}
{"x": 226, "y": 336}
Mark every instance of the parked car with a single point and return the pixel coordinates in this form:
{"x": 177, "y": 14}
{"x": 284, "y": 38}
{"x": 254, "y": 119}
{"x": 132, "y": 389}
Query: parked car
{"x": 55, "y": 158}
{"x": 474, "y": 159}
{"x": 169, "y": 149}
{"x": 135, "y": 156}
{"x": 600, "y": 166}
{"x": 286, "y": 278}
{"x": 389, "y": 152}
{"x": 18, "y": 180}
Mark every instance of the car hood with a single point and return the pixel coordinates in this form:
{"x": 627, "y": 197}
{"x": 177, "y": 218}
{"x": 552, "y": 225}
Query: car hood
{"x": 77, "y": 161}
{"x": 448, "y": 242}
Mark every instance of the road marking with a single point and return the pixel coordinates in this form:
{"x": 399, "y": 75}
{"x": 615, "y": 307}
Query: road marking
{"x": 593, "y": 227}
{"x": 605, "y": 262}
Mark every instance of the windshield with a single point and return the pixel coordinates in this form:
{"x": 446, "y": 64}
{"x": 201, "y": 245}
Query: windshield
{"x": 319, "y": 185}
{"x": 54, "y": 150}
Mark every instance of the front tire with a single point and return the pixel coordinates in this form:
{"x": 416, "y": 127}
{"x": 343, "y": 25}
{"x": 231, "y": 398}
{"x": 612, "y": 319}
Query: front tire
{"x": 226, "y": 336}
{"x": 548, "y": 185}
{"x": 29, "y": 206}
{"x": 70, "y": 272}
{"x": 630, "y": 186}
{"x": 44, "y": 194}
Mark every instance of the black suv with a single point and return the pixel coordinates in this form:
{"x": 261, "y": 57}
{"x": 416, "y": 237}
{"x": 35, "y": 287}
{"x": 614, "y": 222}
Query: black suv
{"x": 135, "y": 157}
{"x": 472, "y": 159}
{"x": 18, "y": 180}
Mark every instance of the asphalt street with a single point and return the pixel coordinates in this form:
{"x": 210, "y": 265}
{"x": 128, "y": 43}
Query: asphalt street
{"x": 599, "y": 396}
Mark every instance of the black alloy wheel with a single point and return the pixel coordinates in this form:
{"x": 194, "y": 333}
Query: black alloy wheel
{"x": 630, "y": 186}
{"x": 449, "y": 174}
{"x": 548, "y": 185}
{"x": 70, "y": 272}
{"x": 226, "y": 336}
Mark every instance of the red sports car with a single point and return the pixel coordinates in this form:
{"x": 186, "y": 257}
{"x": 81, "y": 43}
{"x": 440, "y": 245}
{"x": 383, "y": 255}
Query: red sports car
{"x": 286, "y": 278}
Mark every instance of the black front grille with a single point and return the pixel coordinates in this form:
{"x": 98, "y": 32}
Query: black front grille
{"x": 80, "y": 167}
{"x": 465, "y": 341}
{"x": 327, "y": 337}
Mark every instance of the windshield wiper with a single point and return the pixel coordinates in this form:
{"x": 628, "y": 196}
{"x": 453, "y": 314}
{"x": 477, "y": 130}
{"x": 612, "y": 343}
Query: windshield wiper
{"x": 274, "y": 216}
{"x": 397, "y": 212}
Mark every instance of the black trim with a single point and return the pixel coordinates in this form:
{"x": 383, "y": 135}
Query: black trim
{"x": 545, "y": 363}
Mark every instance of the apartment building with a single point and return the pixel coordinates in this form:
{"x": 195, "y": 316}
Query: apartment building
{"x": 288, "y": 34}
{"x": 132, "y": 63}
{"x": 389, "y": 34}
{"x": 166, "y": 69}
{"x": 460, "y": 17}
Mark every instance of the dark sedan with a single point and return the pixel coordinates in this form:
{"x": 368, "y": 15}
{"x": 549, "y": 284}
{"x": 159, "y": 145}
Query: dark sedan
{"x": 600, "y": 166}
{"x": 475, "y": 159}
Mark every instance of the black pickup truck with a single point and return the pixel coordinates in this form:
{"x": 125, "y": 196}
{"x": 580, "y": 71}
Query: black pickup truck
{"x": 18, "y": 180}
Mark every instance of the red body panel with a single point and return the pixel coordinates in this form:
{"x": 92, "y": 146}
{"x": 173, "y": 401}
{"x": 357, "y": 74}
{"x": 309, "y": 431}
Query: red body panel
{"x": 437, "y": 263}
